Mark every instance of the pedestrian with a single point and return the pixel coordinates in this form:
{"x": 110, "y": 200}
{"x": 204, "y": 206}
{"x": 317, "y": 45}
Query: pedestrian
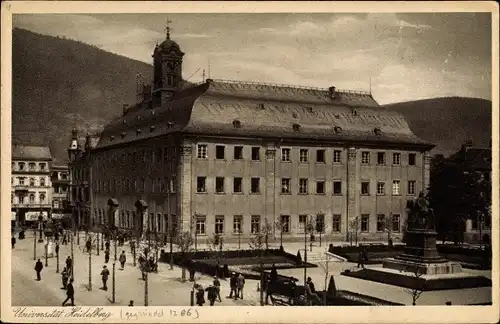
{"x": 65, "y": 276}
{"x": 132, "y": 247}
{"x": 70, "y": 294}
{"x": 13, "y": 241}
{"x": 57, "y": 247}
{"x": 56, "y": 236}
{"x": 240, "y": 285}
{"x": 122, "y": 259}
{"x": 361, "y": 260}
{"x": 233, "y": 284}
{"x": 211, "y": 294}
{"x": 88, "y": 245}
{"x": 104, "y": 276}
{"x": 106, "y": 256}
{"x": 274, "y": 273}
{"x": 217, "y": 286}
{"x": 311, "y": 291}
{"x": 38, "y": 269}
{"x": 107, "y": 245}
{"x": 200, "y": 296}
{"x": 64, "y": 239}
{"x": 131, "y": 303}
{"x": 69, "y": 263}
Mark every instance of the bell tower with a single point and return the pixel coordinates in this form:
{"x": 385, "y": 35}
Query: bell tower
{"x": 73, "y": 149}
{"x": 167, "y": 61}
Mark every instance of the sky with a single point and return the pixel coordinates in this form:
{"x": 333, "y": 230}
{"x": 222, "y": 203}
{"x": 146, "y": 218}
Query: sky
{"x": 401, "y": 57}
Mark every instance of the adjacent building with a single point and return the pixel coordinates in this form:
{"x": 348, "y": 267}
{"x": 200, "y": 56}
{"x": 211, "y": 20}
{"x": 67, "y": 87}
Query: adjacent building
{"x": 60, "y": 192}
{"x": 230, "y": 156}
{"x": 31, "y": 194}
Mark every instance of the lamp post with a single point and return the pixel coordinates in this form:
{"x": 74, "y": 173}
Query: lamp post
{"x": 90, "y": 268}
{"x": 46, "y": 254}
{"x": 34, "y": 244}
{"x": 40, "y": 220}
{"x": 98, "y": 247}
{"x": 72, "y": 258}
{"x": 146, "y": 288}
{"x": 57, "y": 258}
{"x": 113, "y": 284}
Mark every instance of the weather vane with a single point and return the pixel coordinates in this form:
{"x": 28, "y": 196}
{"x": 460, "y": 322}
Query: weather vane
{"x": 167, "y": 29}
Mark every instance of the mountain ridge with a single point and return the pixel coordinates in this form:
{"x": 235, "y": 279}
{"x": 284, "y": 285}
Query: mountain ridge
{"x": 69, "y": 84}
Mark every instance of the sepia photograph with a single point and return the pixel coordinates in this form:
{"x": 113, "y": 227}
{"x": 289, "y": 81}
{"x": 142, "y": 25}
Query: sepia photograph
{"x": 188, "y": 158}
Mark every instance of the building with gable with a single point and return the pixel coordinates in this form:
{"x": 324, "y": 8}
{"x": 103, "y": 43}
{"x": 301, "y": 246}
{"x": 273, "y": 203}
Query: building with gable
{"x": 229, "y": 156}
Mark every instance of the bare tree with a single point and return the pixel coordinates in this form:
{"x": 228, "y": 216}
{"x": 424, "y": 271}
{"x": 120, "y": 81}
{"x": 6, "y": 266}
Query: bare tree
{"x": 354, "y": 228}
{"x": 257, "y": 243}
{"x": 416, "y": 291}
{"x": 266, "y": 229}
{"x": 388, "y": 227}
{"x": 279, "y": 224}
{"x": 216, "y": 245}
{"x": 324, "y": 267}
{"x": 184, "y": 243}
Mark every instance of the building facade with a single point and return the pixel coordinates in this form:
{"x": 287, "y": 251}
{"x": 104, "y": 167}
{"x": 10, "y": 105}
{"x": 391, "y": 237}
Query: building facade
{"x": 31, "y": 194}
{"x": 229, "y": 157}
{"x": 60, "y": 192}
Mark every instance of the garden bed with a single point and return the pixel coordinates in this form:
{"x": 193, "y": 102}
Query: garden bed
{"x": 412, "y": 282}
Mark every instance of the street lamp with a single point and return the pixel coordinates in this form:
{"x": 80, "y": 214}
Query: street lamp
{"x": 40, "y": 220}
{"x": 57, "y": 257}
{"x": 34, "y": 243}
{"x": 90, "y": 268}
{"x": 113, "y": 284}
{"x": 46, "y": 254}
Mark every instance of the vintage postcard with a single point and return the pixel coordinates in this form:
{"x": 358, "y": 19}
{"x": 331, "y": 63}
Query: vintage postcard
{"x": 223, "y": 161}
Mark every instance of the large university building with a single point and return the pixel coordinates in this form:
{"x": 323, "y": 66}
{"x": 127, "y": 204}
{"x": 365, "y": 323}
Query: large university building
{"x": 230, "y": 156}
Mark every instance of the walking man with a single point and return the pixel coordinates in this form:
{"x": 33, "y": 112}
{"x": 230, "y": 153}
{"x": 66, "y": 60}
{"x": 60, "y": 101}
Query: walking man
{"x": 69, "y": 263}
{"x": 122, "y": 259}
{"x": 38, "y": 269}
{"x": 88, "y": 245}
{"x": 13, "y": 241}
{"x": 106, "y": 255}
{"x": 233, "y": 284}
{"x": 241, "y": 284}
{"x": 211, "y": 294}
{"x": 104, "y": 275}
{"x": 70, "y": 294}
{"x": 217, "y": 286}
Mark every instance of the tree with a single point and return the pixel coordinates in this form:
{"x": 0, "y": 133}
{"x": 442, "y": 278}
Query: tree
{"x": 388, "y": 227}
{"x": 257, "y": 243}
{"x": 216, "y": 245}
{"x": 279, "y": 224}
{"x": 354, "y": 228}
{"x": 184, "y": 242}
{"x": 324, "y": 266}
{"x": 266, "y": 229}
{"x": 419, "y": 288}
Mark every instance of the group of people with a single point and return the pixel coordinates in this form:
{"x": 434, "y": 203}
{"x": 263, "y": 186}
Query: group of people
{"x": 236, "y": 283}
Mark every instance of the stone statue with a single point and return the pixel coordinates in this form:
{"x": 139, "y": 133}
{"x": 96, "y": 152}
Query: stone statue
{"x": 420, "y": 215}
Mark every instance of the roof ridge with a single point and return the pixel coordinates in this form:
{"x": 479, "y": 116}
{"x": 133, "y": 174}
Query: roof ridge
{"x": 290, "y": 86}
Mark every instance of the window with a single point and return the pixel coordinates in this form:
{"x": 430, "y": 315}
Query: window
{"x": 21, "y": 181}
{"x": 285, "y": 224}
{"x": 238, "y": 152}
{"x": 395, "y": 187}
{"x": 396, "y": 223}
{"x": 302, "y": 223}
{"x": 42, "y": 198}
{"x": 365, "y": 223}
{"x": 255, "y": 153}
{"x": 396, "y": 158}
{"x": 255, "y": 224}
{"x": 380, "y": 158}
{"x": 202, "y": 151}
{"x": 21, "y": 166}
{"x": 380, "y": 223}
{"x": 302, "y": 186}
{"x": 220, "y": 152}
{"x": 201, "y": 184}
{"x": 32, "y": 166}
{"x": 173, "y": 184}
{"x": 64, "y": 176}
{"x": 337, "y": 187}
{"x": 320, "y": 187}
{"x": 285, "y": 154}
{"x": 32, "y": 198}
{"x": 237, "y": 219}
{"x": 337, "y": 156}
{"x": 153, "y": 185}
{"x": 219, "y": 224}
{"x": 365, "y": 157}
{"x": 365, "y": 188}
{"x": 320, "y": 156}
{"x": 32, "y": 182}
{"x": 238, "y": 185}
{"x": 255, "y": 185}
{"x": 380, "y": 188}
{"x": 285, "y": 185}
{"x": 303, "y": 155}
{"x": 219, "y": 184}
{"x": 320, "y": 223}
{"x": 200, "y": 225}
{"x": 411, "y": 187}
{"x": 336, "y": 224}
{"x": 411, "y": 159}
{"x": 42, "y": 166}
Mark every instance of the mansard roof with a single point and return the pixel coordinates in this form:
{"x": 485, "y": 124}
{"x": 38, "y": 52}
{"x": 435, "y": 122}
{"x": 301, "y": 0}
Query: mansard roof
{"x": 24, "y": 152}
{"x": 231, "y": 108}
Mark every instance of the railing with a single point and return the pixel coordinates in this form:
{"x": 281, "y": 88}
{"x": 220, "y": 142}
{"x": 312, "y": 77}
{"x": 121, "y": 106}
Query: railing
{"x": 32, "y": 205}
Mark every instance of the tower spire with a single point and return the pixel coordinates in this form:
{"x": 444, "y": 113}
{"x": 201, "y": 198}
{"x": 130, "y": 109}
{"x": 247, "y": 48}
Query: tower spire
{"x": 167, "y": 28}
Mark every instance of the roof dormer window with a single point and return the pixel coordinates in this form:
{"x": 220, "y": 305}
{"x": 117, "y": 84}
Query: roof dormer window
{"x": 152, "y": 128}
{"x": 294, "y": 115}
{"x": 296, "y": 127}
{"x": 377, "y": 131}
{"x": 112, "y": 138}
{"x": 236, "y": 123}
{"x": 337, "y": 129}
{"x": 261, "y": 106}
{"x": 138, "y": 131}
{"x": 170, "y": 124}
{"x": 123, "y": 135}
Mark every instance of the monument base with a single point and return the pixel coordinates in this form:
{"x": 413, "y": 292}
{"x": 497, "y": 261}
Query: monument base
{"x": 434, "y": 268}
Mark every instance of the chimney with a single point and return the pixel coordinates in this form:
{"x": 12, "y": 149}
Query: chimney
{"x": 125, "y": 107}
{"x": 331, "y": 90}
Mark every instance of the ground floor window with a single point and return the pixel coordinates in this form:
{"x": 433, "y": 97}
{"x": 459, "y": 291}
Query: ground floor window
{"x": 320, "y": 223}
{"x": 380, "y": 223}
{"x": 365, "y": 223}
{"x": 255, "y": 224}
{"x": 285, "y": 223}
{"x": 219, "y": 224}
{"x": 200, "y": 225}
{"x": 396, "y": 223}
{"x": 336, "y": 224}
{"x": 237, "y": 220}
{"x": 302, "y": 223}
